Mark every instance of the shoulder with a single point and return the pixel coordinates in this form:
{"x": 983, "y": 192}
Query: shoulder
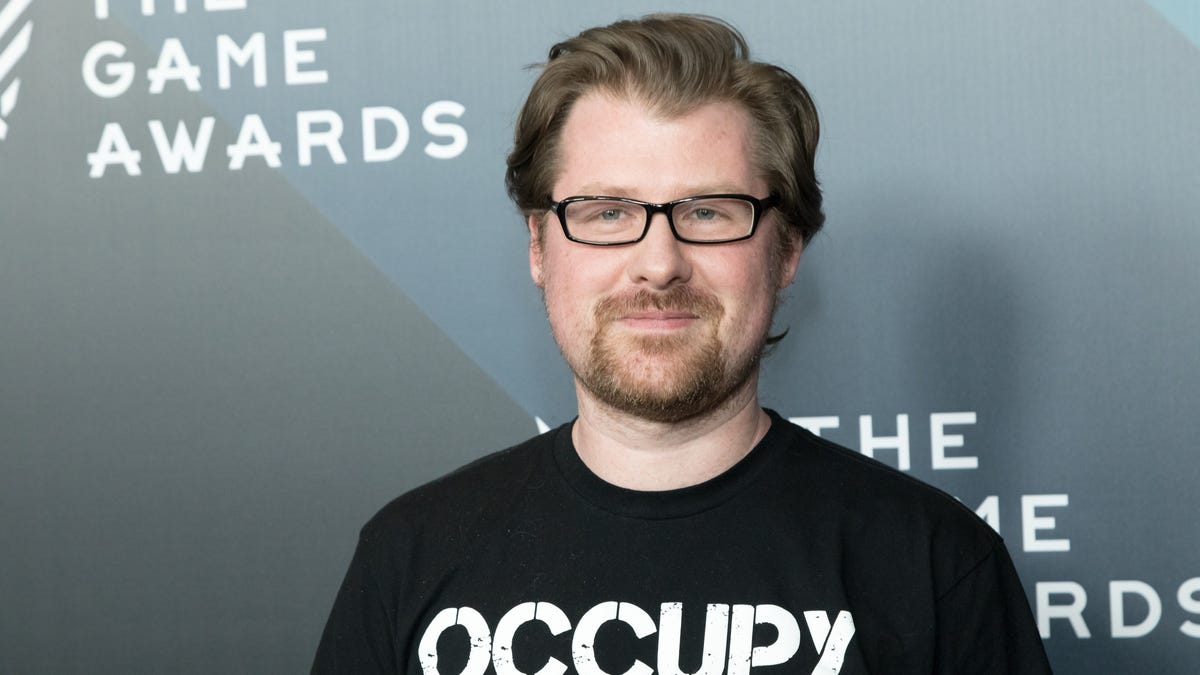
{"x": 882, "y": 508}
{"x": 905, "y": 543}
{"x": 846, "y": 475}
{"x": 474, "y": 490}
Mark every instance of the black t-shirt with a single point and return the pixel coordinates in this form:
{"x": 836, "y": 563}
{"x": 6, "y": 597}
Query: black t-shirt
{"x": 804, "y": 557}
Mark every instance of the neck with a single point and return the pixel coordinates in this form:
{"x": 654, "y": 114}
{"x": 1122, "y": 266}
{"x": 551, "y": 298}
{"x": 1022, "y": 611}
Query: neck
{"x": 638, "y": 454}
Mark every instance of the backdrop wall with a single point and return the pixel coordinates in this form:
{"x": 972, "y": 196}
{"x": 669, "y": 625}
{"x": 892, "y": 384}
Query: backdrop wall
{"x": 258, "y": 275}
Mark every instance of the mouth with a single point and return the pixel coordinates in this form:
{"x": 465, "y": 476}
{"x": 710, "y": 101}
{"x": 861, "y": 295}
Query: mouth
{"x": 659, "y": 320}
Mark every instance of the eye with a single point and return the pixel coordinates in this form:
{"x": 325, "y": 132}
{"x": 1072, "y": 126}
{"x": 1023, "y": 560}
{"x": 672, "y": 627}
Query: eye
{"x": 704, "y": 212}
{"x": 600, "y": 212}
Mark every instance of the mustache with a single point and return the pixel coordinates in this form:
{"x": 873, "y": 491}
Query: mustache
{"x": 675, "y": 299}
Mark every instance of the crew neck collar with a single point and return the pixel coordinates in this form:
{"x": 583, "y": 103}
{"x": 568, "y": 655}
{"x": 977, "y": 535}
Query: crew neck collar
{"x": 664, "y": 504}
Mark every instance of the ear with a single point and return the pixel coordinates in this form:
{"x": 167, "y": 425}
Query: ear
{"x": 791, "y": 262}
{"x": 535, "y": 250}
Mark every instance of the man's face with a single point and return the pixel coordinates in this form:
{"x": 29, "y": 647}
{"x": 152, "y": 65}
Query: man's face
{"x": 660, "y": 329}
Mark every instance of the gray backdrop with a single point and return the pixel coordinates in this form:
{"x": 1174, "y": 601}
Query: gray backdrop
{"x": 211, "y": 377}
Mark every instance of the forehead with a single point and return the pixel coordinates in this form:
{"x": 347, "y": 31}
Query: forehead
{"x": 623, "y": 147}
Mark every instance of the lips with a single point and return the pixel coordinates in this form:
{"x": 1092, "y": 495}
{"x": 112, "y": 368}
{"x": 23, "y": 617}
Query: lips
{"x": 657, "y": 315}
{"x": 659, "y": 320}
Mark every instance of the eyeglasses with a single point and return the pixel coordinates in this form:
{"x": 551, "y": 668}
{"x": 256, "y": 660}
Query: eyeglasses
{"x": 704, "y": 219}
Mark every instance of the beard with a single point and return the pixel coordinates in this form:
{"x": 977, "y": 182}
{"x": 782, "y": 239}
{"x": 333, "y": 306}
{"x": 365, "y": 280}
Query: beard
{"x": 663, "y": 378}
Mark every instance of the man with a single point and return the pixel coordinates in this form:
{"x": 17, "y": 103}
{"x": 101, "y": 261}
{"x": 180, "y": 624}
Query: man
{"x": 675, "y": 526}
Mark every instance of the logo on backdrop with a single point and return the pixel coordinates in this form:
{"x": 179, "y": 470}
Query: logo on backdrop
{"x": 13, "y": 46}
{"x": 180, "y": 146}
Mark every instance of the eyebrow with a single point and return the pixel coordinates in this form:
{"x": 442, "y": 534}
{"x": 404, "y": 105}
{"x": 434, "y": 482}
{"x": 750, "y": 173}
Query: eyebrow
{"x": 609, "y": 190}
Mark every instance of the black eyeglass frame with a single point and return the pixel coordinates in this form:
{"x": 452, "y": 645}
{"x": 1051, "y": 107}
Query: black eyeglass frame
{"x": 760, "y": 206}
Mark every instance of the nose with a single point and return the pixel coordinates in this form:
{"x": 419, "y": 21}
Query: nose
{"x": 659, "y": 261}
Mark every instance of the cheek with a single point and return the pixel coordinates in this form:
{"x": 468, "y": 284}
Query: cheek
{"x": 749, "y": 293}
{"x": 566, "y": 295}
{"x": 746, "y": 277}
{"x": 579, "y": 276}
